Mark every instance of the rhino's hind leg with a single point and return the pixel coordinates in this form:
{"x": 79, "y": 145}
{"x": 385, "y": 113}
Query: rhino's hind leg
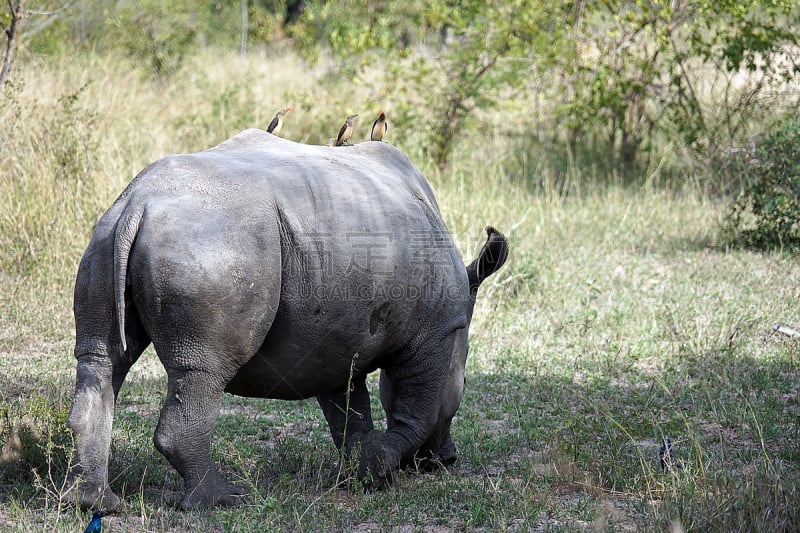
{"x": 183, "y": 436}
{"x": 98, "y": 381}
{"x": 90, "y": 421}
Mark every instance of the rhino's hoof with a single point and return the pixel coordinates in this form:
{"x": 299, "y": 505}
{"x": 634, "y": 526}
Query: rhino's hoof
{"x": 378, "y": 462}
{"x": 98, "y": 498}
{"x": 433, "y": 462}
{"x": 205, "y": 497}
{"x": 436, "y": 463}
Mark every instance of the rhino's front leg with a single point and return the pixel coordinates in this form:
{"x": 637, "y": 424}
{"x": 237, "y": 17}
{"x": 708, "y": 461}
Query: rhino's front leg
{"x": 410, "y": 392}
{"x": 438, "y": 451}
{"x": 90, "y": 420}
{"x": 183, "y": 436}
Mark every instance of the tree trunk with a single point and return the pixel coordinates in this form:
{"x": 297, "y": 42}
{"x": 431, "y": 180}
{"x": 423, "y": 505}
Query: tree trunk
{"x": 11, "y": 34}
{"x": 243, "y": 49}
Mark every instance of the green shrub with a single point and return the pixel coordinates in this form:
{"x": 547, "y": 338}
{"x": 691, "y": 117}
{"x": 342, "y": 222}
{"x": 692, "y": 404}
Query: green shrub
{"x": 766, "y": 214}
{"x": 158, "y": 35}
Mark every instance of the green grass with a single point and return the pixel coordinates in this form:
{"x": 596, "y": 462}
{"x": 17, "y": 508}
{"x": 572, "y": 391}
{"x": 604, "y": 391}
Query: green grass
{"x": 618, "y": 320}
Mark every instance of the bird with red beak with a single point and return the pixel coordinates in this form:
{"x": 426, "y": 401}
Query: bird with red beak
{"x": 277, "y": 121}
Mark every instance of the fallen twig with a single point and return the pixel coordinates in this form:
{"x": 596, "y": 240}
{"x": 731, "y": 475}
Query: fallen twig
{"x": 786, "y": 330}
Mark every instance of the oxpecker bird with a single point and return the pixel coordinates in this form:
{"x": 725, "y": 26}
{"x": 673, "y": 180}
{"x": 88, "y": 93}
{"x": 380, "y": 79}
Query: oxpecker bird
{"x": 346, "y": 131}
{"x": 95, "y": 526}
{"x": 277, "y": 121}
{"x": 379, "y": 128}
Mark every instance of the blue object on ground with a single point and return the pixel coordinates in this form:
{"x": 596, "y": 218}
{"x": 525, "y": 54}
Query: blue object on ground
{"x": 95, "y": 526}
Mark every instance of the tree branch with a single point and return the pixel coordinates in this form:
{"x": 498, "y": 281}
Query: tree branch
{"x": 51, "y": 17}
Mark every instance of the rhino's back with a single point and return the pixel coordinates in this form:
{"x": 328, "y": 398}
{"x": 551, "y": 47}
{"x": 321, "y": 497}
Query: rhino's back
{"x": 366, "y": 186}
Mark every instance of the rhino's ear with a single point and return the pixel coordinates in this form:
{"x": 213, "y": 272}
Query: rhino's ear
{"x": 489, "y": 260}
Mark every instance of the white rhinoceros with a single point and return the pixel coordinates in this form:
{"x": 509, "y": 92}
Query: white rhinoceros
{"x": 272, "y": 269}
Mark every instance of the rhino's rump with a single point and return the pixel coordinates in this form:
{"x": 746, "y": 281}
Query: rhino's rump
{"x": 345, "y": 248}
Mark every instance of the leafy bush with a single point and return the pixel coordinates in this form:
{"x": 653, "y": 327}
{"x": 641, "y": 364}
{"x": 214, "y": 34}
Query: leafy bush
{"x": 766, "y": 214}
{"x": 159, "y": 35}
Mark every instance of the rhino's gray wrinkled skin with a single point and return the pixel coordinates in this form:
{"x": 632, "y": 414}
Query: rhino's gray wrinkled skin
{"x": 268, "y": 268}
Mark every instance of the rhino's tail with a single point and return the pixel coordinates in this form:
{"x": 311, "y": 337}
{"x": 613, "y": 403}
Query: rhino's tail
{"x": 125, "y": 234}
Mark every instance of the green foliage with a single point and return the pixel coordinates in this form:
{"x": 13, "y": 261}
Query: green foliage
{"x": 640, "y": 70}
{"x": 622, "y": 75}
{"x": 265, "y": 20}
{"x": 629, "y": 80}
{"x": 766, "y": 214}
{"x": 475, "y": 52}
{"x": 159, "y": 35}
{"x": 352, "y": 28}
{"x": 492, "y": 43}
